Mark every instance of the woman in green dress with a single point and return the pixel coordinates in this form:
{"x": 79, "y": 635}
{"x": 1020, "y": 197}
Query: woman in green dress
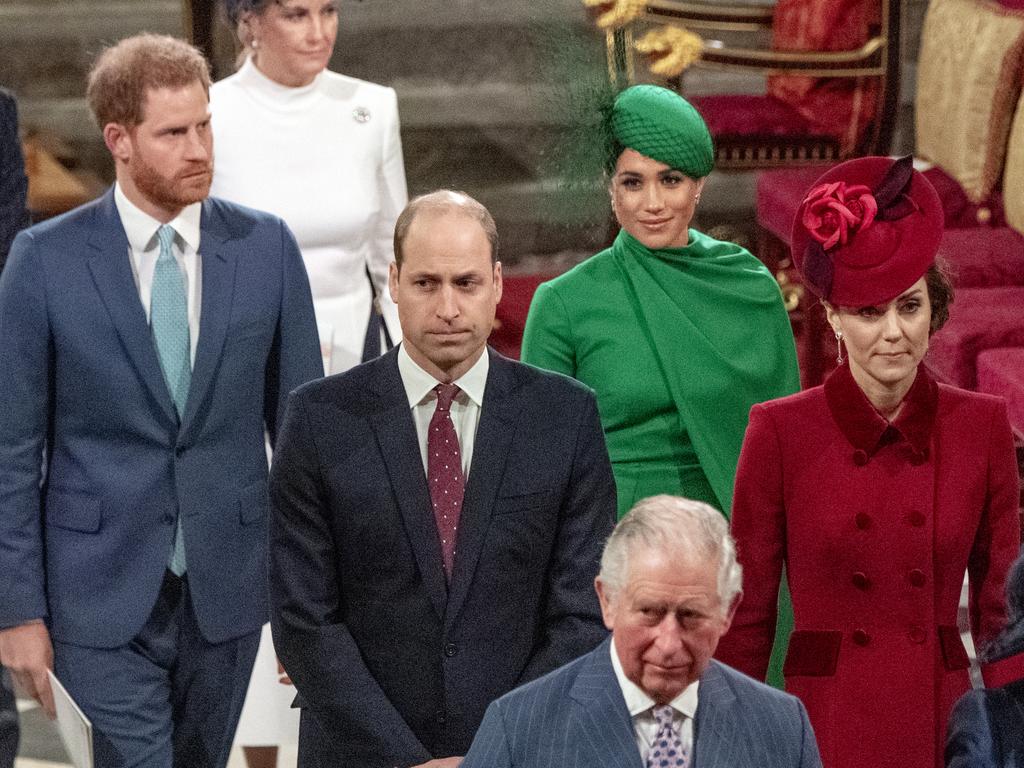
{"x": 679, "y": 334}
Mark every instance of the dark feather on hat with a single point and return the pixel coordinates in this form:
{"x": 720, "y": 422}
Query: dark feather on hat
{"x": 818, "y": 269}
{"x": 892, "y": 191}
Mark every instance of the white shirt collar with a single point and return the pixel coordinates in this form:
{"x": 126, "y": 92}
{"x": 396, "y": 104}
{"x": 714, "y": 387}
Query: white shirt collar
{"x": 638, "y": 702}
{"x": 419, "y": 384}
{"x": 141, "y": 228}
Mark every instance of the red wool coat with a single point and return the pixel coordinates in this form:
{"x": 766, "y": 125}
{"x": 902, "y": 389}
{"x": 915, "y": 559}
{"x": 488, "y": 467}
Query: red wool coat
{"x": 876, "y": 525}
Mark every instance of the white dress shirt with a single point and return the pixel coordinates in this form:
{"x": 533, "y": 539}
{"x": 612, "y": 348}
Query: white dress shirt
{"x": 419, "y": 388}
{"x": 144, "y": 250}
{"x": 641, "y": 710}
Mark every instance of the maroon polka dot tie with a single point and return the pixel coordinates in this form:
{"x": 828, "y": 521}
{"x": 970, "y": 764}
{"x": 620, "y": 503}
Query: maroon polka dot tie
{"x": 667, "y": 749}
{"x": 444, "y": 473}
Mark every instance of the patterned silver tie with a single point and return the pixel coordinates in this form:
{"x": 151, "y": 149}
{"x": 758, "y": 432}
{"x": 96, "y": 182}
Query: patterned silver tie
{"x": 667, "y": 750}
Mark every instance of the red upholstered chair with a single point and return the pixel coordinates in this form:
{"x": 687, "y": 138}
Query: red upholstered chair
{"x": 980, "y": 319}
{"x": 1001, "y": 372}
{"x": 832, "y": 73}
{"x": 510, "y": 320}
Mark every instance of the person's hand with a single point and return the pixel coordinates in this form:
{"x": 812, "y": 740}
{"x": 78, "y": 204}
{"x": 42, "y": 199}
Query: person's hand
{"x": 27, "y": 652}
{"x": 444, "y": 762}
{"x": 282, "y": 675}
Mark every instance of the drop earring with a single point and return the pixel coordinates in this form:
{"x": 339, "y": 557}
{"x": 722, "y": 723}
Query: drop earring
{"x": 839, "y": 347}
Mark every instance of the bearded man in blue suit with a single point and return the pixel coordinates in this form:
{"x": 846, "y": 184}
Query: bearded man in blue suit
{"x": 148, "y": 341}
{"x": 651, "y": 695}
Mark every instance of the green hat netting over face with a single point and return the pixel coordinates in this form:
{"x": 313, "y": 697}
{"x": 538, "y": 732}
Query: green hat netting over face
{"x": 662, "y": 125}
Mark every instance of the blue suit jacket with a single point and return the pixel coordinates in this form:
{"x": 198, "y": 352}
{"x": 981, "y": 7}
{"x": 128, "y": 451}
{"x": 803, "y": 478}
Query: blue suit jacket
{"x": 577, "y": 716}
{"x": 394, "y": 666}
{"x": 85, "y": 544}
{"x": 986, "y": 729}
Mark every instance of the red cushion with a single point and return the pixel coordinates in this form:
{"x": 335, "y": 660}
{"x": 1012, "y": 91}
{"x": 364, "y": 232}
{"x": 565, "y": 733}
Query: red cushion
{"x": 983, "y": 257}
{"x": 980, "y": 319}
{"x": 510, "y": 319}
{"x": 779, "y": 194}
{"x": 961, "y": 212}
{"x": 1001, "y": 372}
{"x": 749, "y": 115}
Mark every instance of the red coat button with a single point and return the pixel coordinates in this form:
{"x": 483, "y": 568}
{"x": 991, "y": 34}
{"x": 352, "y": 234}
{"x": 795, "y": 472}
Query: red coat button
{"x": 860, "y": 580}
{"x": 863, "y": 521}
{"x": 917, "y": 635}
{"x": 917, "y": 577}
{"x": 917, "y": 518}
{"x": 860, "y": 637}
{"x": 860, "y": 457}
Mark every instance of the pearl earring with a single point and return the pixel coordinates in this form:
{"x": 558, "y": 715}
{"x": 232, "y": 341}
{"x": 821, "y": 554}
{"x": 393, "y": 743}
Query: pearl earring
{"x": 839, "y": 347}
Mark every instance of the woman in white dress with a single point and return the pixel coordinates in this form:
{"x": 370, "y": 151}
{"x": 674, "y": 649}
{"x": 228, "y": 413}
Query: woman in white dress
{"x": 322, "y": 151}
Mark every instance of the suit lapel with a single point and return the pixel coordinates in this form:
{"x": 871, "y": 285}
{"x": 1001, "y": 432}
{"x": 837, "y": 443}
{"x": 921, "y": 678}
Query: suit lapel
{"x": 110, "y": 265}
{"x": 218, "y": 266}
{"x": 716, "y": 738}
{"x": 399, "y": 446}
{"x": 600, "y": 715}
{"x": 490, "y": 453}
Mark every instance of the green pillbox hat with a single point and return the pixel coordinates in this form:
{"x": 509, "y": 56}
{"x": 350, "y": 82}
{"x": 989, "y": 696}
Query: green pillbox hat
{"x": 662, "y": 125}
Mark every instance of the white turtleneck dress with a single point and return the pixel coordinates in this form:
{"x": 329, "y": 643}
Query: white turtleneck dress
{"x": 326, "y": 158}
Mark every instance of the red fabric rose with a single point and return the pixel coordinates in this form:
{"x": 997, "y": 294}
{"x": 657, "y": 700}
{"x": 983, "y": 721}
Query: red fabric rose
{"x": 833, "y": 212}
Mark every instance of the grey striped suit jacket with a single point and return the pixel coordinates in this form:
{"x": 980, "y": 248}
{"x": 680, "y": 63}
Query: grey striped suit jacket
{"x": 576, "y": 716}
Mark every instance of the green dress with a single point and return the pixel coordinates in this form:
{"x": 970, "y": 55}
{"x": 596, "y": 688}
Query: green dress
{"x": 678, "y": 344}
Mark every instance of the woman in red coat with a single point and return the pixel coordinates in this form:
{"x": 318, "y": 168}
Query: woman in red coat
{"x": 877, "y": 490}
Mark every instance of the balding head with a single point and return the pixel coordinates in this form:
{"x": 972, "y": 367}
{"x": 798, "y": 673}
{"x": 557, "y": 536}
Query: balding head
{"x": 441, "y": 202}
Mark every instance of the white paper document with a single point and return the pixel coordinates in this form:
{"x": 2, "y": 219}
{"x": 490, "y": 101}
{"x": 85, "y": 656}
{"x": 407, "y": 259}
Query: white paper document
{"x": 75, "y": 728}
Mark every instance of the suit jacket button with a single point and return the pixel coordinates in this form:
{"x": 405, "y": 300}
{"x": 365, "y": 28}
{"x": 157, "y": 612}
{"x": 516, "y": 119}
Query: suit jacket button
{"x": 916, "y": 577}
{"x": 442, "y": 718}
{"x": 860, "y": 457}
{"x": 450, "y": 650}
{"x": 861, "y": 637}
{"x": 863, "y": 521}
{"x": 917, "y": 635}
{"x": 917, "y": 518}
{"x": 179, "y": 451}
{"x": 167, "y": 519}
{"x": 860, "y": 580}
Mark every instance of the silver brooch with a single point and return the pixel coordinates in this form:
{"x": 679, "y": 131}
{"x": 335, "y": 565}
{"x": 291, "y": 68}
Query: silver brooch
{"x": 361, "y": 115}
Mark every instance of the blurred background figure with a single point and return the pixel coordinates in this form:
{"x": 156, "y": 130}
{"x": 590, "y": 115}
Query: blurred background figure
{"x": 322, "y": 151}
{"x": 13, "y": 184}
{"x": 13, "y": 218}
{"x": 877, "y": 490}
{"x": 986, "y": 728}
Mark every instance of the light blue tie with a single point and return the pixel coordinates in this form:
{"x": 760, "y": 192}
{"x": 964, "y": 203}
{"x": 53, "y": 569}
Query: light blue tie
{"x": 168, "y": 317}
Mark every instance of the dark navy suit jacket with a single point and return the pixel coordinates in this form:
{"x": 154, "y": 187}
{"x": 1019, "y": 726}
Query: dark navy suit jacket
{"x": 986, "y": 729}
{"x": 79, "y": 375}
{"x": 576, "y": 717}
{"x": 391, "y": 665}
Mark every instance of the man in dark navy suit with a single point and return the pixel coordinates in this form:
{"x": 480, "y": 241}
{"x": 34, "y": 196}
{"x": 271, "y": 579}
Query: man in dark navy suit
{"x": 438, "y": 516}
{"x": 148, "y": 340}
{"x": 651, "y": 696}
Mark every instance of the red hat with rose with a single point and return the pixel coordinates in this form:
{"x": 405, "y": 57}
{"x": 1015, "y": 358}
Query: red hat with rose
{"x": 867, "y": 230}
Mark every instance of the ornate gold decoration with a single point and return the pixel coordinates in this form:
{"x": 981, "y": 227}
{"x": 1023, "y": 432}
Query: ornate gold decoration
{"x": 669, "y": 50}
{"x": 615, "y": 14}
